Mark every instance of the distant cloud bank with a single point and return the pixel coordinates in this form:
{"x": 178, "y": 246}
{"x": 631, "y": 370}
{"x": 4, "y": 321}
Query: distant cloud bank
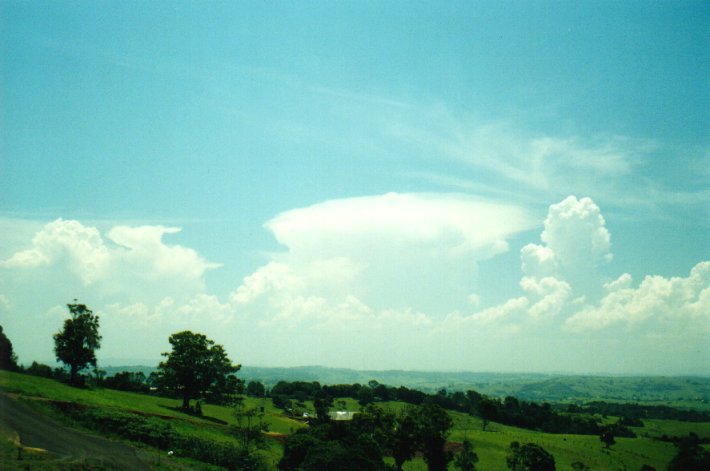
{"x": 385, "y": 281}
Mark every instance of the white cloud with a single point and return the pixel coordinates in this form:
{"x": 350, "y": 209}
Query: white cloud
{"x": 670, "y": 303}
{"x": 456, "y": 223}
{"x": 380, "y": 281}
{"x": 564, "y": 293}
{"x": 135, "y": 262}
{"x": 624, "y": 281}
{"x": 576, "y": 243}
{"x": 396, "y": 250}
{"x": 549, "y": 294}
{"x": 80, "y": 248}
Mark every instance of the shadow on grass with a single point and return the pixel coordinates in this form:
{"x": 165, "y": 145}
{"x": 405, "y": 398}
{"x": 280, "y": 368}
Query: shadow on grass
{"x": 193, "y": 414}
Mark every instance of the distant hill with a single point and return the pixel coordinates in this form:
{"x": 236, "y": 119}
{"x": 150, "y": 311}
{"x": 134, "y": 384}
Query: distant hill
{"x": 681, "y": 391}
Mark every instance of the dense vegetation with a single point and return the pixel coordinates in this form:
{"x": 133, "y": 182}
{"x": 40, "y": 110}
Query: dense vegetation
{"x": 641, "y": 411}
{"x": 509, "y": 411}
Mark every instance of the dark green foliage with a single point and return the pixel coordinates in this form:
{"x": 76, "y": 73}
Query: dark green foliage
{"x": 322, "y": 404}
{"x": 579, "y": 466}
{"x": 331, "y": 446}
{"x": 127, "y": 381}
{"x": 156, "y": 433}
{"x": 434, "y": 425}
{"x": 297, "y": 447}
{"x": 76, "y": 344}
{"x": 8, "y": 359}
{"x": 647, "y": 467}
{"x": 40, "y": 369}
{"x": 250, "y": 425}
{"x": 630, "y": 422}
{"x": 641, "y": 411}
{"x": 607, "y": 438}
{"x": 529, "y": 457}
{"x": 281, "y": 401}
{"x": 466, "y": 459}
{"x": 361, "y": 443}
{"x": 691, "y": 455}
{"x": 196, "y": 367}
{"x": 487, "y": 411}
{"x": 365, "y": 396}
{"x": 510, "y": 411}
{"x": 299, "y": 390}
{"x": 256, "y": 389}
{"x": 404, "y": 440}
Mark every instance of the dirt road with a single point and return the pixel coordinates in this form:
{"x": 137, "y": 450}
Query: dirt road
{"x": 38, "y": 431}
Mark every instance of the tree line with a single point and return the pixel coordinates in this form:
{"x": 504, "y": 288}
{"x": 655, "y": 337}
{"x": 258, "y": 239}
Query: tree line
{"x": 509, "y": 411}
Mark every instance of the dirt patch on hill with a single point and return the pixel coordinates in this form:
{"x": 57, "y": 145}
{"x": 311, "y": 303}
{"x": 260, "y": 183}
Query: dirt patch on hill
{"x": 36, "y": 430}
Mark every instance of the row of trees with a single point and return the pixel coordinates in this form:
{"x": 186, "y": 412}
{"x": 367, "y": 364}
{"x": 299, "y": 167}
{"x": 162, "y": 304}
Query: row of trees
{"x": 509, "y": 411}
{"x": 196, "y": 367}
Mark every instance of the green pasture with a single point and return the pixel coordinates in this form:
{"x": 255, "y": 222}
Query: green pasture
{"x": 32, "y": 386}
{"x": 491, "y": 444}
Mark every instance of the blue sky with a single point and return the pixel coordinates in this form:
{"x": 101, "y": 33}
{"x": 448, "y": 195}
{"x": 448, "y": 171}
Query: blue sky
{"x": 476, "y": 185}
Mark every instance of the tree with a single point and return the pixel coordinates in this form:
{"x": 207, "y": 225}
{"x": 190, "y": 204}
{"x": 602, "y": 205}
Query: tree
{"x": 249, "y": 426}
{"x": 404, "y": 441}
{"x": 322, "y": 403}
{"x": 607, "y": 437}
{"x": 487, "y": 410}
{"x": 433, "y": 424}
{"x": 76, "y": 344}
{"x": 256, "y": 389}
{"x": 195, "y": 365}
{"x": 691, "y": 455}
{"x": 332, "y": 446}
{"x": 8, "y": 359}
{"x": 529, "y": 457}
{"x": 466, "y": 459}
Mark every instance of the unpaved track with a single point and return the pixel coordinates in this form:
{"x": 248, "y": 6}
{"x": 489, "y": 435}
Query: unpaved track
{"x": 39, "y": 431}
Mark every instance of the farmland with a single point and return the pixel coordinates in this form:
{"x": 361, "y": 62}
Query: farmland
{"x": 52, "y": 398}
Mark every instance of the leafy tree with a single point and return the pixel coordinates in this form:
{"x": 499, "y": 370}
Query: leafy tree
{"x": 250, "y": 425}
{"x": 529, "y": 457}
{"x": 8, "y": 359}
{"x": 607, "y": 437}
{"x": 404, "y": 438}
{"x": 332, "y": 446}
{"x": 691, "y": 455}
{"x": 127, "y": 381}
{"x": 487, "y": 410}
{"x": 434, "y": 424}
{"x": 322, "y": 404}
{"x": 256, "y": 389}
{"x": 39, "y": 369}
{"x": 76, "y": 344}
{"x": 466, "y": 459}
{"x": 194, "y": 365}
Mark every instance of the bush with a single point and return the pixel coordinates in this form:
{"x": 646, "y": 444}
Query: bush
{"x": 40, "y": 369}
{"x": 529, "y": 457}
{"x": 158, "y": 434}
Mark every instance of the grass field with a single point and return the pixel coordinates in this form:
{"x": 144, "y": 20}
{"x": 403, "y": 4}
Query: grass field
{"x": 491, "y": 445}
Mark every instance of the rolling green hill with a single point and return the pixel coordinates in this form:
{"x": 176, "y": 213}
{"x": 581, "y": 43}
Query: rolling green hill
{"x": 491, "y": 444}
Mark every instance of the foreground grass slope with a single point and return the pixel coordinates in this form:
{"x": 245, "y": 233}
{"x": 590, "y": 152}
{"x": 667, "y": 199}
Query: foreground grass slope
{"x": 491, "y": 444}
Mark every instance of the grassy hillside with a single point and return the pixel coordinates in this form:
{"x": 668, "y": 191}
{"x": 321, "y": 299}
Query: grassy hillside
{"x": 491, "y": 445}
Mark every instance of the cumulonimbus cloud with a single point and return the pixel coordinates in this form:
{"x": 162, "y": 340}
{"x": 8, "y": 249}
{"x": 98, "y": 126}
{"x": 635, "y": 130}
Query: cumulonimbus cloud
{"x": 396, "y": 250}
{"x": 381, "y": 280}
